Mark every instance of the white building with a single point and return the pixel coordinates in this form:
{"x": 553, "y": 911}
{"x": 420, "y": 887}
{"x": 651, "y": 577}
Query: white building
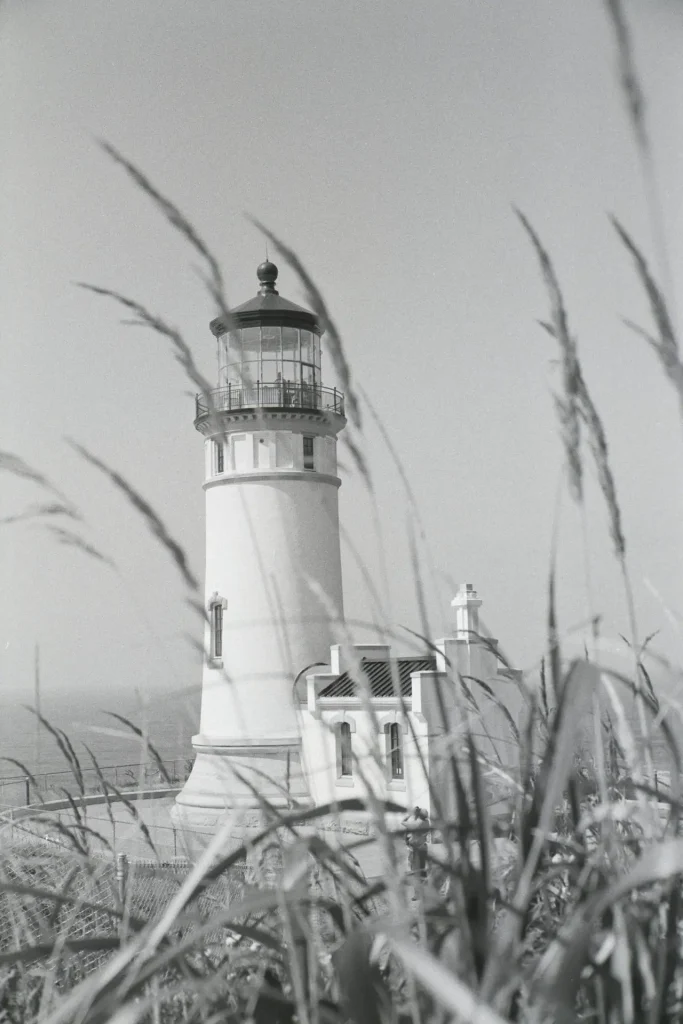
{"x": 287, "y": 714}
{"x": 395, "y": 722}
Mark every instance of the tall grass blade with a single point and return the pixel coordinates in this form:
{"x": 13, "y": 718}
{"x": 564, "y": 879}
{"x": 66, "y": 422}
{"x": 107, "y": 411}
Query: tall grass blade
{"x": 364, "y": 994}
{"x": 178, "y": 221}
{"x": 559, "y": 970}
{"x": 665, "y": 343}
{"x": 316, "y": 301}
{"x": 64, "y": 744}
{"x": 18, "y": 467}
{"x": 633, "y": 94}
{"x": 146, "y": 741}
{"x": 567, "y": 405}
{"x": 181, "y": 350}
{"x": 449, "y": 992}
{"x": 145, "y": 509}
{"x": 43, "y": 511}
{"x": 72, "y": 540}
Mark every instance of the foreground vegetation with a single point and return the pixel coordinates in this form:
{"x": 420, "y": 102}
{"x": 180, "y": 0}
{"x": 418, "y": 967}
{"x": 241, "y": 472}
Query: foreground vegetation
{"x": 554, "y": 893}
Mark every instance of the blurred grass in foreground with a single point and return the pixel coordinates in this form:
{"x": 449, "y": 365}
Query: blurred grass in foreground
{"x": 561, "y": 903}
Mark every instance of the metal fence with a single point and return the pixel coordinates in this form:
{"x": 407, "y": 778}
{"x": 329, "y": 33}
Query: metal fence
{"x": 20, "y": 790}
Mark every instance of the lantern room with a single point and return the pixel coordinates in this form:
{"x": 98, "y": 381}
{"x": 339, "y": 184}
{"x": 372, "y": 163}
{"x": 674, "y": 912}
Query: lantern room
{"x": 270, "y": 340}
{"x": 269, "y": 355}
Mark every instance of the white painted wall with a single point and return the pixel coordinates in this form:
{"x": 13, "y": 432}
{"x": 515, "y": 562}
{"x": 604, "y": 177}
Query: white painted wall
{"x": 428, "y": 740}
{"x": 267, "y": 539}
{"x": 257, "y": 450}
{"x": 272, "y": 538}
{"x": 320, "y": 757}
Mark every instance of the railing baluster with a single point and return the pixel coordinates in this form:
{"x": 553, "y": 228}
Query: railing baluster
{"x": 283, "y": 393}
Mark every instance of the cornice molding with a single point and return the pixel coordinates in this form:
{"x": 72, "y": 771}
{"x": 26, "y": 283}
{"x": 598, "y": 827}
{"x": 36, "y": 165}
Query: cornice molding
{"x": 273, "y": 474}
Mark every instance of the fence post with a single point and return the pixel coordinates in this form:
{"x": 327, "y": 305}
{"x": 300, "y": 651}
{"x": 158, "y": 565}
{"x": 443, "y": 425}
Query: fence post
{"x": 175, "y": 843}
{"x": 27, "y": 784}
{"x": 121, "y": 876}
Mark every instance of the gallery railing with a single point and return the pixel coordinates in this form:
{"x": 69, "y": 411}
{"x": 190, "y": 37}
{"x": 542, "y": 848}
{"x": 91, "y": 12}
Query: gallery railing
{"x": 281, "y": 395}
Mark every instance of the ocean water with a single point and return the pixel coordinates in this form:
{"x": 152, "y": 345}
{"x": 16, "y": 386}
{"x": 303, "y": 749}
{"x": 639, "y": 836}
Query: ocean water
{"x": 170, "y": 720}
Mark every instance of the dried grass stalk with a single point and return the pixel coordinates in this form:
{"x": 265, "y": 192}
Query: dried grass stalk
{"x": 71, "y": 539}
{"x": 568, "y": 404}
{"x": 316, "y": 301}
{"x": 152, "y": 519}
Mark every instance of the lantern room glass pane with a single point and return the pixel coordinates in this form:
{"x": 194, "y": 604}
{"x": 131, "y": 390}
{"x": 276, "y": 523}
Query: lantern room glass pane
{"x": 232, "y": 374}
{"x": 306, "y": 347}
{"x": 316, "y": 350}
{"x": 290, "y": 343}
{"x": 290, "y": 372}
{"x": 251, "y": 372}
{"x": 270, "y": 367}
{"x": 251, "y": 342}
{"x": 234, "y": 347}
{"x": 271, "y": 361}
{"x": 308, "y": 373}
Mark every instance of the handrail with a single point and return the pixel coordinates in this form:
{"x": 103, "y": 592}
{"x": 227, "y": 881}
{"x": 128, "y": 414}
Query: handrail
{"x": 279, "y": 394}
{"x": 103, "y": 767}
{"x": 123, "y": 776}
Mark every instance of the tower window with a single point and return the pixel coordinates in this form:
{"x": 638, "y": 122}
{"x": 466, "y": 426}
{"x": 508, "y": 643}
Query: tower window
{"x": 344, "y": 759}
{"x": 219, "y": 456}
{"x": 308, "y": 453}
{"x": 217, "y": 631}
{"x": 394, "y": 747}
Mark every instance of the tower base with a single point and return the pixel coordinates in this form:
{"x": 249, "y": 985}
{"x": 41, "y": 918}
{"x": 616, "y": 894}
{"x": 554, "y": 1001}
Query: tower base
{"x": 232, "y": 787}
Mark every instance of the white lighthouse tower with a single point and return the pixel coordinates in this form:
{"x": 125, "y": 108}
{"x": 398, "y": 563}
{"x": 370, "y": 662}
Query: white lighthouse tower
{"x": 272, "y": 548}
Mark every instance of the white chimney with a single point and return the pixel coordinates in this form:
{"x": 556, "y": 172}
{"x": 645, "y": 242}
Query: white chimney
{"x": 466, "y": 604}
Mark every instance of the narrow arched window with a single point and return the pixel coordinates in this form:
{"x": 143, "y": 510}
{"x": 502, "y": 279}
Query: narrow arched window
{"x": 394, "y": 747}
{"x": 218, "y": 457}
{"x": 309, "y": 460}
{"x": 217, "y": 631}
{"x": 345, "y": 758}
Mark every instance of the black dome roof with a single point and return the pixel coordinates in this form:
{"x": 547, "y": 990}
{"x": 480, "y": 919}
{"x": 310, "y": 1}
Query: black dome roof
{"x": 267, "y": 307}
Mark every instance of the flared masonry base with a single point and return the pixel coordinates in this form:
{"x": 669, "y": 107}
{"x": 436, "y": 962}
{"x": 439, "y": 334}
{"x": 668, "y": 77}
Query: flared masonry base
{"x": 196, "y": 829}
{"x": 230, "y": 789}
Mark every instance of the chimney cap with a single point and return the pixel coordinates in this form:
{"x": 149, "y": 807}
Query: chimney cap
{"x": 466, "y": 595}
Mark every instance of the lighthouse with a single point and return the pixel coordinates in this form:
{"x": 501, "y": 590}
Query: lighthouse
{"x": 273, "y": 587}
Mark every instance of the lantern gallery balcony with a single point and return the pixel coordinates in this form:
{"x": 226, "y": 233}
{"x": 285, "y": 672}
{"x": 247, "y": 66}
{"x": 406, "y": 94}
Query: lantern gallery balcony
{"x": 279, "y": 395}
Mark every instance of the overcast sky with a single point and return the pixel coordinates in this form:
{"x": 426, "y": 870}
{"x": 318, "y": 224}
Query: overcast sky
{"x": 386, "y": 141}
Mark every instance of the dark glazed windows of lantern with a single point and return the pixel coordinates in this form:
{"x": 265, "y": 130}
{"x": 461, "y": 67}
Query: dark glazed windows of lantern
{"x": 308, "y": 453}
{"x": 217, "y": 631}
{"x": 345, "y": 760}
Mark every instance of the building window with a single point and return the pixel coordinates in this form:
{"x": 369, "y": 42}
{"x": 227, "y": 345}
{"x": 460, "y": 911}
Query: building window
{"x": 344, "y": 760}
{"x": 308, "y": 453}
{"x": 219, "y": 457}
{"x": 394, "y": 747}
{"x": 217, "y": 630}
